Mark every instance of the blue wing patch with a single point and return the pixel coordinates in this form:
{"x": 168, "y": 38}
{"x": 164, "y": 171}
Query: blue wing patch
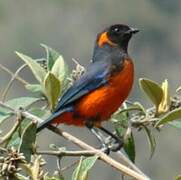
{"x": 94, "y": 77}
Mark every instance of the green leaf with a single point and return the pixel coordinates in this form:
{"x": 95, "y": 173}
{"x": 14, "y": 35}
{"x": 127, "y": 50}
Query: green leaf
{"x": 36, "y": 69}
{"x": 35, "y": 88}
{"x": 60, "y": 69}
{"x": 120, "y": 121}
{"x": 41, "y": 113}
{"x": 81, "y": 172}
{"x": 4, "y": 114}
{"x": 178, "y": 89}
{"x": 178, "y": 177}
{"x": 20, "y": 177}
{"x": 140, "y": 106}
{"x": 28, "y": 141}
{"x": 152, "y": 90}
{"x": 52, "y": 89}
{"x": 75, "y": 174}
{"x": 129, "y": 145}
{"x": 164, "y": 105}
{"x": 171, "y": 116}
{"x": 176, "y": 124}
{"x": 15, "y": 140}
{"x": 16, "y": 103}
{"x": 151, "y": 141}
{"x": 54, "y": 178}
{"x": 23, "y": 102}
{"x": 52, "y": 56}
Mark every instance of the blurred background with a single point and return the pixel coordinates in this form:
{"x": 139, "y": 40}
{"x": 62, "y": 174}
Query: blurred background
{"x": 70, "y": 27}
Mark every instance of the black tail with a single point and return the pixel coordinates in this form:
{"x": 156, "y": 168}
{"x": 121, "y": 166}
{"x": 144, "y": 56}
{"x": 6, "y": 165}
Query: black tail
{"x": 48, "y": 121}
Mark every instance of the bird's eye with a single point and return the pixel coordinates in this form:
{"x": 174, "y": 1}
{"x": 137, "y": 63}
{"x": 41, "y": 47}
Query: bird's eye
{"x": 116, "y": 30}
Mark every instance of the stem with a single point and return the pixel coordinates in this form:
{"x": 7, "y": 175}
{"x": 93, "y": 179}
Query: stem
{"x": 129, "y": 109}
{"x": 102, "y": 156}
{"x": 4, "y": 140}
{"x": 4, "y": 94}
{"x": 27, "y": 168}
{"x": 105, "y": 158}
{"x": 70, "y": 165}
{"x": 130, "y": 163}
{"x": 12, "y": 74}
{"x": 67, "y": 153}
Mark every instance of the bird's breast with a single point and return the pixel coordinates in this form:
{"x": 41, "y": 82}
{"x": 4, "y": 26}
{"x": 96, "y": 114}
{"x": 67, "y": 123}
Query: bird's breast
{"x": 104, "y": 101}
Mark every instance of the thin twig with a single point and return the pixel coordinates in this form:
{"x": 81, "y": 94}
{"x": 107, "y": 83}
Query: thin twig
{"x": 3, "y": 149}
{"x": 4, "y": 94}
{"x": 4, "y": 140}
{"x": 67, "y": 153}
{"x": 128, "y": 109}
{"x": 108, "y": 160}
{"x": 89, "y": 153}
{"x": 12, "y": 74}
{"x": 99, "y": 153}
{"x": 59, "y": 167}
{"x": 70, "y": 165}
{"x": 129, "y": 163}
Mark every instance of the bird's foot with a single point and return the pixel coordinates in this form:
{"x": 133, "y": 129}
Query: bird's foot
{"x": 105, "y": 149}
{"x": 114, "y": 144}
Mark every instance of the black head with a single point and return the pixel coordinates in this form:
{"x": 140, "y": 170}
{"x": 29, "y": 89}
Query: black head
{"x": 117, "y": 35}
{"x": 120, "y": 34}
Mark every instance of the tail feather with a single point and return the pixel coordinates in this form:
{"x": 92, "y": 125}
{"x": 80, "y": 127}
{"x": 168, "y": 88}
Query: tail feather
{"x": 48, "y": 121}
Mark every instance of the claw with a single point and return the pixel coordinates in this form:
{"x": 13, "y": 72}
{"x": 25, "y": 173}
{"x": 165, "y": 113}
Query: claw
{"x": 116, "y": 143}
{"x": 111, "y": 143}
{"x": 105, "y": 149}
{"x": 116, "y": 146}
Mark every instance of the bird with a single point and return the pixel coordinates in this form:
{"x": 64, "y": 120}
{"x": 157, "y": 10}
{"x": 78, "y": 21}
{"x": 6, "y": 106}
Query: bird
{"x": 104, "y": 86}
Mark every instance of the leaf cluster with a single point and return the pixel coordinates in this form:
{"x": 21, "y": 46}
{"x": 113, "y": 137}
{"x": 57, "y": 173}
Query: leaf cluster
{"x": 53, "y": 78}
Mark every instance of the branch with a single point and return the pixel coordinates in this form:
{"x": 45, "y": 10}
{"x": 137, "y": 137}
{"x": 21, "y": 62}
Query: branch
{"x": 67, "y": 153}
{"x": 70, "y": 165}
{"x": 99, "y": 153}
{"x": 4, "y": 140}
{"x": 11, "y": 81}
{"x": 12, "y": 74}
{"x": 108, "y": 160}
{"x": 129, "y": 163}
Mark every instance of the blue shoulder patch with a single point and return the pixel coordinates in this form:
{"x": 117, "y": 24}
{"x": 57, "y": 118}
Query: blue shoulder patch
{"x": 94, "y": 77}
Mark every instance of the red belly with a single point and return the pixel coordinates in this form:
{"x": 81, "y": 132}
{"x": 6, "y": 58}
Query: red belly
{"x": 102, "y": 102}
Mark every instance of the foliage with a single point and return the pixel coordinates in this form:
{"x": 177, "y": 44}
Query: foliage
{"x": 81, "y": 172}
{"x": 19, "y": 158}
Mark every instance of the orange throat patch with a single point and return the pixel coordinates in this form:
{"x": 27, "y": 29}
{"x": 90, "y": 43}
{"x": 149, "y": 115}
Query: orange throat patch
{"x": 103, "y": 39}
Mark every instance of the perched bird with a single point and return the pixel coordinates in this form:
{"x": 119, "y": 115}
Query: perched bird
{"x": 104, "y": 86}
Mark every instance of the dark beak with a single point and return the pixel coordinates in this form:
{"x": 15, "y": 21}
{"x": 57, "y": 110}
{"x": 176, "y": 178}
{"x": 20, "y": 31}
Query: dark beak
{"x": 134, "y": 30}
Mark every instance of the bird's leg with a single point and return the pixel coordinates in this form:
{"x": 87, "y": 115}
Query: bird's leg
{"x": 118, "y": 142}
{"x": 104, "y": 147}
{"x": 100, "y": 138}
